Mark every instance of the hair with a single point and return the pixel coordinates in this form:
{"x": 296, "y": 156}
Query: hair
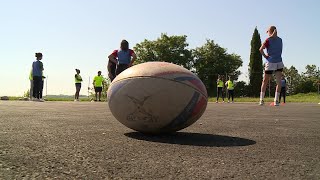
{"x": 78, "y": 70}
{"x": 273, "y": 31}
{"x": 38, "y": 54}
{"x": 99, "y": 72}
{"x": 124, "y": 45}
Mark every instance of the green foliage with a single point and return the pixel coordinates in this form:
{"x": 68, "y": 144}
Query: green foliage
{"x": 171, "y": 49}
{"x": 255, "y": 65}
{"x": 210, "y": 60}
{"x": 302, "y": 83}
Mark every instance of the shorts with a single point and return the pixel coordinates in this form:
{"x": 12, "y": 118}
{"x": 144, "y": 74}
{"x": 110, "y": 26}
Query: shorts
{"x": 78, "y": 86}
{"x": 98, "y": 89}
{"x": 269, "y": 68}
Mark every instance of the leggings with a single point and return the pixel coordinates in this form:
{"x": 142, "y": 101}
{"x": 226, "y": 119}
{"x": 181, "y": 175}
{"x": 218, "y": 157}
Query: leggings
{"x": 220, "y": 91}
{"x": 283, "y": 93}
{"x": 230, "y": 93}
{"x": 37, "y": 86}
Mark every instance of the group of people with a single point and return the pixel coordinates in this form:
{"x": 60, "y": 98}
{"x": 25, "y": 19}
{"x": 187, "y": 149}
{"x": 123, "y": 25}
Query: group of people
{"x": 123, "y": 58}
{"x": 221, "y": 86}
{"x": 119, "y": 60}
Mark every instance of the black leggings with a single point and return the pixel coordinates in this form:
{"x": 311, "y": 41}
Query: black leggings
{"x": 283, "y": 93}
{"x": 220, "y": 91}
{"x": 37, "y": 86}
{"x": 230, "y": 93}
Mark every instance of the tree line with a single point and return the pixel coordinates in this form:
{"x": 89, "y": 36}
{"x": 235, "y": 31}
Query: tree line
{"x": 210, "y": 60}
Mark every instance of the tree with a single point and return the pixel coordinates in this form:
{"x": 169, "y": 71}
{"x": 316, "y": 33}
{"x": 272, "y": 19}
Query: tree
{"x": 255, "y": 65}
{"x": 293, "y": 79}
{"x": 211, "y": 60}
{"x": 171, "y": 49}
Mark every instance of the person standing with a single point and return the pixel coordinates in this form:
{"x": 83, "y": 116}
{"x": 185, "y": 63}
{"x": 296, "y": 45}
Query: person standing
{"x": 97, "y": 83}
{"x": 31, "y": 85}
{"x": 230, "y": 87}
{"x": 37, "y": 69}
{"x": 220, "y": 88}
{"x": 112, "y": 69}
{"x": 78, "y": 80}
{"x": 124, "y": 57}
{"x": 284, "y": 88}
{"x": 274, "y": 63}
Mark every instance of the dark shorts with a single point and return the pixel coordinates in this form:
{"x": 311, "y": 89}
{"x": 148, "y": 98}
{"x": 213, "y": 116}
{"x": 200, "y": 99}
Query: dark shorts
{"x": 78, "y": 86}
{"x": 98, "y": 89}
{"x": 271, "y": 72}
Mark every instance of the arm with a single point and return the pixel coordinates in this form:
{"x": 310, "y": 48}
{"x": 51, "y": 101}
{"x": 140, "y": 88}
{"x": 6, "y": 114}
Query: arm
{"x": 263, "y": 46}
{"x": 112, "y": 56}
{"x": 134, "y": 57}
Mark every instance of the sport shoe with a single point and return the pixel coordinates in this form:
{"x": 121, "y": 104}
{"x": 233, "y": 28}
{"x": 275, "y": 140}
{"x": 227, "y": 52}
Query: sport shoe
{"x": 261, "y": 103}
{"x": 216, "y": 101}
{"x": 228, "y": 101}
{"x": 276, "y": 103}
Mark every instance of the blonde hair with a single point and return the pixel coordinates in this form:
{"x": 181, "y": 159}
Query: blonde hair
{"x": 273, "y": 30}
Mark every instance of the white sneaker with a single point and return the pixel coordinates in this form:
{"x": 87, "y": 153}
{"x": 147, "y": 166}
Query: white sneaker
{"x": 41, "y": 100}
{"x": 228, "y": 101}
{"x": 261, "y": 103}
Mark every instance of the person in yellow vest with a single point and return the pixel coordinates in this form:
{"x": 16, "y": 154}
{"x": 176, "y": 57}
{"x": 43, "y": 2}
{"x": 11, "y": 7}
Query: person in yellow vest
{"x": 77, "y": 80}
{"x": 31, "y": 85}
{"x": 220, "y": 87}
{"x": 97, "y": 83}
{"x": 230, "y": 87}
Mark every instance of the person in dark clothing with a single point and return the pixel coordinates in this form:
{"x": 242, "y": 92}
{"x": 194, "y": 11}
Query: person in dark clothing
{"x": 37, "y": 69}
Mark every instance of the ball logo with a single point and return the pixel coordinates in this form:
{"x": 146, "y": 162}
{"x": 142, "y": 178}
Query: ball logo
{"x": 140, "y": 114}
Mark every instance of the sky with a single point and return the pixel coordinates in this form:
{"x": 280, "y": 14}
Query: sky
{"x": 81, "y": 34}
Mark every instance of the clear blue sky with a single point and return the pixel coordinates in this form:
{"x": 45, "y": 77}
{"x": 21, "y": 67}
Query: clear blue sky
{"x": 80, "y": 33}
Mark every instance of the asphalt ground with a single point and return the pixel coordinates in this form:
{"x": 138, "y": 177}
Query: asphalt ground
{"x": 82, "y": 140}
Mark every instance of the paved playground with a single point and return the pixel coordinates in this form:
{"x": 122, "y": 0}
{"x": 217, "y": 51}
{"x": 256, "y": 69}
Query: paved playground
{"x": 72, "y": 140}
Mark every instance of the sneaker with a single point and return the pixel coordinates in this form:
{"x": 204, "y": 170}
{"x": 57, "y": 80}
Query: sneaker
{"x": 276, "y": 103}
{"x": 35, "y": 99}
{"x": 216, "y": 101}
{"x": 75, "y": 100}
{"x": 228, "y": 101}
{"x": 223, "y": 101}
{"x": 41, "y": 100}
{"x": 261, "y": 103}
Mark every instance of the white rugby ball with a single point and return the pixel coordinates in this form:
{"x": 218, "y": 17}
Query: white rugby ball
{"x": 157, "y": 97}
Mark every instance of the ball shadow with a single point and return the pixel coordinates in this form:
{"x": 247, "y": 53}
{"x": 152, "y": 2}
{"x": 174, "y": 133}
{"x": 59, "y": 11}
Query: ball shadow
{"x": 193, "y": 139}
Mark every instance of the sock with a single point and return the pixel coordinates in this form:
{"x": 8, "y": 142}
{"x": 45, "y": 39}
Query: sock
{"x": 276, "y": 96}
{"x": 261, "y": 95}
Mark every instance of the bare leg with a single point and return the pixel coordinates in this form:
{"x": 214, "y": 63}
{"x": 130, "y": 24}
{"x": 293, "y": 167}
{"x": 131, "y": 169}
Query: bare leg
{"x": 278, "y": 88}
{"x": 264, "y": 84}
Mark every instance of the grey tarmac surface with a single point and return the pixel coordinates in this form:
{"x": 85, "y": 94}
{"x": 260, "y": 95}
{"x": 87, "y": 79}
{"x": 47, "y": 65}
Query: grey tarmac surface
{"x": 72, "y": 140}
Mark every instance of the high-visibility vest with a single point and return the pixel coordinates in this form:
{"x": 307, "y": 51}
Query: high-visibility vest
{"x": 77, "y": 77}
{"x": 230, "y": 85}
{"x": 220, "y": 83}
{"x": 30, "y": 76}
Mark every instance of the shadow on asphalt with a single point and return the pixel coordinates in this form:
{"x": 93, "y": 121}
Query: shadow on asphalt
{"x": 193, "y": 139}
